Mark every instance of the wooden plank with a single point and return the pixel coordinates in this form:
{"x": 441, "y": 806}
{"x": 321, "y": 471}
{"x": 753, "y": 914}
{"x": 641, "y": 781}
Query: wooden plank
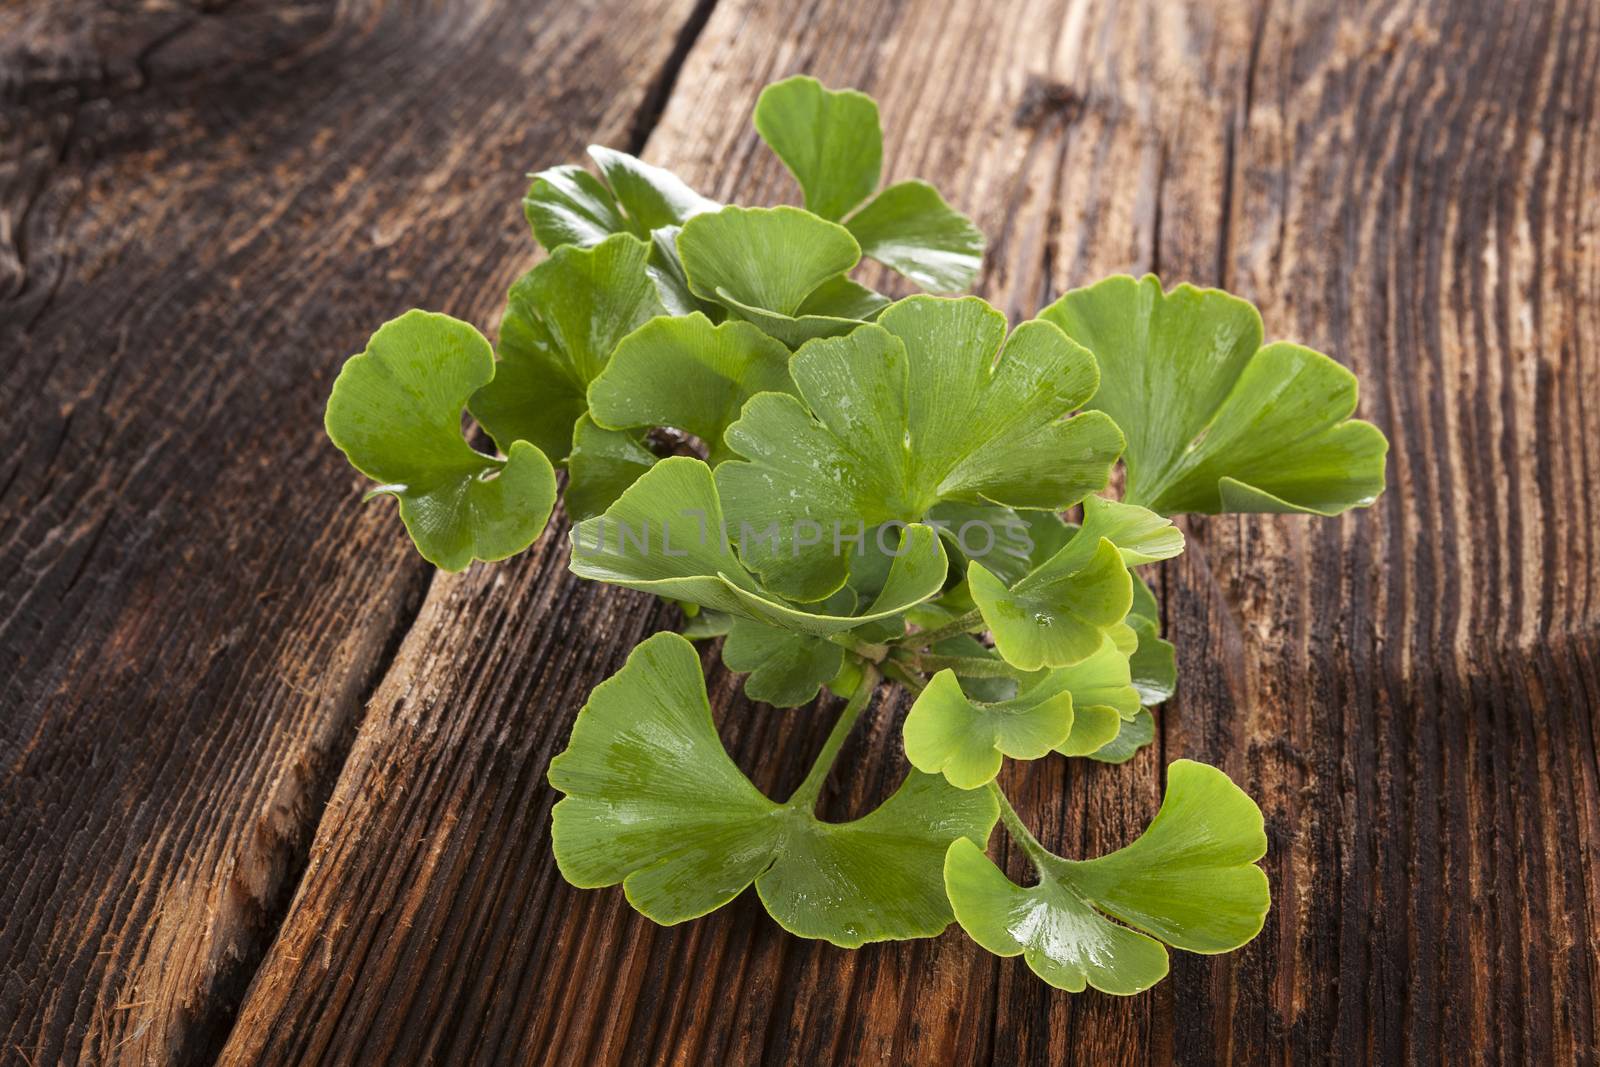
{"x": 1411, "y": 693}
{"x": 202, "y": 209}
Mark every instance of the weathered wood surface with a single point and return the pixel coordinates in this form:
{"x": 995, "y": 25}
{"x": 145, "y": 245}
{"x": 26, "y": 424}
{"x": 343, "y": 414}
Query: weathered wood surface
{"x": 216, "y": 843}
{"x": 201, "y": 209}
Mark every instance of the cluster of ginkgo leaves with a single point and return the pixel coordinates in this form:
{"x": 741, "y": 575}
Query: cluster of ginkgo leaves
{"x": 880, "y": 495}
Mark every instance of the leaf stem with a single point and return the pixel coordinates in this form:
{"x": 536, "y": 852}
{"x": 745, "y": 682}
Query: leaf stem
{"x": 806, "y": 796}
{"x": 869, "y": 652}
{"x": 953, "y": 628}
{"x": 1019, "y": 832}
{"x": 905, "y": 676}
{"x": 966, "y": 666}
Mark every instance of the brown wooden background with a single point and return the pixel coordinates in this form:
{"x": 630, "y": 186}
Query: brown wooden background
{"x": 272, "y": 792}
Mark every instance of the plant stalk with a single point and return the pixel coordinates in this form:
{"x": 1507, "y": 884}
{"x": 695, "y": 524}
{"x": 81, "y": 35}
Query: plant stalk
{"x": 953, "y": 628}
{"x": 806, "y": 796}
{"x": 869, "y": 652}
{"x": 966, "y": 666}
{"x": 905, "y": 676}
{"x": 1019, "y": 832}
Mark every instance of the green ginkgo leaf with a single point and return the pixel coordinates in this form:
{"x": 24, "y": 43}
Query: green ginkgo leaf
{"x": 922, "y": 407}
{"x": 650, "y": 196}
{"x": 668, "y": 535}
{"x": 780, "y": 268}
{"x": 998, "y": 537}
{"x": 830, "y": 141}
{"x": 841, "y": 298}
{"x": 686, "y": 373}
{"x": 603, "y": 463}
{"x": 1134, "y": 734}
{"x": 965, "y": 740}
{"x": 654, "y": 802}
{"x": 564, "y": 318}
{"x": 395, "y": 412}
{"x": 568, "y": 205}
{"x": 1154, "y": 664}
{"x": 963, "y": 727}
{"x": 910, "y": 228}
{"x": 785, "y": 669}
{"x": 1216, "y": 422}
{"x": 1140, "y": 535}
{"x": 1190, "y": 881}
{"x": 1103, "y": 680}
{"x": 1055, "y": 617}
{"x": 672, "y": 281}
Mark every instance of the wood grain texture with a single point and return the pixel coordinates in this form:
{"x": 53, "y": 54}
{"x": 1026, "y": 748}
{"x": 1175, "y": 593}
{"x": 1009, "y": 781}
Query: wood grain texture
{"x": 201, "y": 207}
{"x": 1411, "y": 693}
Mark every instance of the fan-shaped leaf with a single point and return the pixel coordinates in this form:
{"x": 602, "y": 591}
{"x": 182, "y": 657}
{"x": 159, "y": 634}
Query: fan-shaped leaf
{"x": 909, "y": 227}
{"x": 1189, "y": 880}
{"x": 667, "y": 535}
{"x": 568, "y": 205}
{"x": 769, "y": 258}
{"x": 564, "y": 318}
{"x": 653, "y": 801}
{"x": 686, "y": 373}
{"x": 1055, "y": 617}
{"x": 395, "y": 412}
{"x": 650, "y": 196}
{"x": 1215, "y": 422}
{"x": 830, "y": 141}
{"x": 909, "y": 412}
{"x": 1103, "y": 680}
{"x": 780, "y": 268}
{"x": 948, "y": 733}
{"x": 1140, "y": 535}
{"x": 786, "y": 669}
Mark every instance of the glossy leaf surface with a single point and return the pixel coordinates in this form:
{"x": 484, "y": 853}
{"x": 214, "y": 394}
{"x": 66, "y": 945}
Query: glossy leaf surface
{"x": 765, "y": 258}
{"x": 568, "y": 205}
{"x": 1190, "y": 881}
{"x": 1055, "y": 617}
{"x": 686, "y": 373}
{"x": 965, "y": 740}
{"x": 910, "y": 228}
